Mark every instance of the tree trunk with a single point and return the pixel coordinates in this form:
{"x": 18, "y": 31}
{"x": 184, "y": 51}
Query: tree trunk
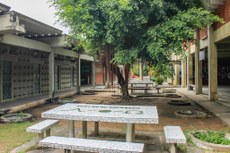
{"x": 123, "y": 80}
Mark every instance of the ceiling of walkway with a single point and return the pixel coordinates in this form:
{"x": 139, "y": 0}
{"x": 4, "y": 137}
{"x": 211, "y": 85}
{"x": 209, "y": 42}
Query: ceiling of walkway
{"x": 224, "y": 48}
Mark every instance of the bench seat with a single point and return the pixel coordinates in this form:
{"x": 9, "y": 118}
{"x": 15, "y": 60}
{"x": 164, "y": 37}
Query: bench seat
{"x": 174, "y": 135}
{"x": 90, "y": 145}
{"x": 139, "y": 88}
{"x": 192, "y": 86}
{"x": 42, "y": 127}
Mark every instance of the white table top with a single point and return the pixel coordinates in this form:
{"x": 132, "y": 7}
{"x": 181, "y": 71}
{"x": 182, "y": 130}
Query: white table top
{"x": 104, "y": 113}
{"x": 140, "y": 82}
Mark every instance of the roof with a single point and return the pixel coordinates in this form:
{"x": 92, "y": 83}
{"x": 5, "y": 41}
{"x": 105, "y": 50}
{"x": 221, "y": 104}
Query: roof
{"x": 35, "y": 28}
{"x": 4, "y": 8}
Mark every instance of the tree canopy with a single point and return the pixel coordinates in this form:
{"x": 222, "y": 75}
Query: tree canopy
{"x": 147, "y": 29}
{"x": 150, "y": 29}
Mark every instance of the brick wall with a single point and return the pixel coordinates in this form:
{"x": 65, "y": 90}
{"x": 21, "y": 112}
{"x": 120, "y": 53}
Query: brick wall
{"x": 224, "y": 12}
{"x": 203, "y": 33}
{"x": 99, "y": 73}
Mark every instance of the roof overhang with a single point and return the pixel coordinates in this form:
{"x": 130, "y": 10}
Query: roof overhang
{"x": 4, "y": 8}
{"x": 35, "y": 28}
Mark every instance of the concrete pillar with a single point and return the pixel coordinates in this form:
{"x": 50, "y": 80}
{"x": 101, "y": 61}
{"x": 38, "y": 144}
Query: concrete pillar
{"x": 1, "y": 82}
{"x": 108, "y": 66}
{"x": 198, "y": 66}
{"x": 93, "y": 74}
{"x": 141, "y": 70}
{"x": 51, "y": 75}
{"x": 189, "y": 67}
{"x": 78, "y": 75}
{"x": 212, "y": 66}
{"x": 183, "y": 73}
{"x": 176, "y": 80}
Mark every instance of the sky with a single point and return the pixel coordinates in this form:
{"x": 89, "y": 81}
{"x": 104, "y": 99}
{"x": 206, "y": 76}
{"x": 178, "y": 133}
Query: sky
{"x": 36, "y": 9}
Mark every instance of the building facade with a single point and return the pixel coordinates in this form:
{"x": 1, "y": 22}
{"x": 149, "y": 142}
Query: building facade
{"x": 34, "y": 59}
{"x": 208, "y": 63}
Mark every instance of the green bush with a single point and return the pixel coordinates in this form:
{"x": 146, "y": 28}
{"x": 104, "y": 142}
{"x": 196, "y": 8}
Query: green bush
{"x": 159, "y": 80}
{"x": 216, "y": 137}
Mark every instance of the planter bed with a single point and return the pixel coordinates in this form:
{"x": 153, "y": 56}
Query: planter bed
{"x": 210, "y": 146}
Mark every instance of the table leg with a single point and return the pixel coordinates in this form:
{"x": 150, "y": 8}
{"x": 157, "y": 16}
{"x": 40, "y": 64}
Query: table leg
{"x": 146, "y": 86}
{"x": 96, "y": 128}
{"x": 48, "y": 132}
{"x": 84, "y": 129}
{"x": 71, "y": 134}
{"x": 130, "y": 132}
{"x": 131, "y": 88}
{"x": 71, "y": 129}
{"x": 172, "y": 148}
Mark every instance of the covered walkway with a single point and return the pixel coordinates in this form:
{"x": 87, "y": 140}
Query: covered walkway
{"x": 218, "y": 109}
{"x": 30, "y": 102}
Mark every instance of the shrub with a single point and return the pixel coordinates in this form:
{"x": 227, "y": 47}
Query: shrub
{"x": 216, "y": 137}
{"x": 159, "y": 80}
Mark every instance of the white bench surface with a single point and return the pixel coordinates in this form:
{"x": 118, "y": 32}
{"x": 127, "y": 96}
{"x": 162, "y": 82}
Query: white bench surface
{"x": 91, "y": 145}
{"x": 104, "y": 113}
{"x": 41, "y": 126}
{"x": 174, "y": 134}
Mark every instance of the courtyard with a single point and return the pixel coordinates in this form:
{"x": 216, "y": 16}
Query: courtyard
{"x": 151, "y": 135}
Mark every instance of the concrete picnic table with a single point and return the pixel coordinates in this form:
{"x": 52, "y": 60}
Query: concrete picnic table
{"x": 139, "y": 83}
{"x": 104, "y": 113}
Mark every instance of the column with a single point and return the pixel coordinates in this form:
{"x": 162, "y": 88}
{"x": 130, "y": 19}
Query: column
{"x": 141, "y": 70}
{"x": 183, "y": 73}
{"x": 212, "y": 66}
{"x": 189, "y": 67}
{"x": 198, "y": 68}
{"x": 51, "y": 75}
{"x": 78, "y": 75}
{"x": 1, "y": 81}
{"x": 176, "y": 80}
{"x": 108, "y": 67}
{"x": 93, "y": 74}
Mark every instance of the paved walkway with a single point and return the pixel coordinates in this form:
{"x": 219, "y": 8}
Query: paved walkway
{"x": 219, "y": 110}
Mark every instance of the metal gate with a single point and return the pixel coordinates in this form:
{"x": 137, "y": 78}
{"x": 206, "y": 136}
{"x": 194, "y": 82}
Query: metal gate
{"x": 37, "y": 80}
{"x": 7, "y": 80}
{"x": 57, "y": 77}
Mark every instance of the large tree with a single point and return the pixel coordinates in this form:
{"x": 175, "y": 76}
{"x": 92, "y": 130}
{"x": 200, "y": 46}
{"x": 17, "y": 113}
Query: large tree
{"x": 147, "y": 29}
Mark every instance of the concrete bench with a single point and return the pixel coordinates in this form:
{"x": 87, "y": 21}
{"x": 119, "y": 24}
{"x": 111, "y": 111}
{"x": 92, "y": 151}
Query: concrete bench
{"x": 42, "y": 127}
{"x": 174, "y": 135}
{"x": 139, "y": 88}
{"x": 191, "y": 86}
{"x": 158, "y": 89}
{"x": 90, "y": 145}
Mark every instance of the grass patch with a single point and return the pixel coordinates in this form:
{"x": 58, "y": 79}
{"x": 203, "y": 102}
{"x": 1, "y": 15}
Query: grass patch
{"x": 13, "y": 135}
{"x": 216, "y": 137}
